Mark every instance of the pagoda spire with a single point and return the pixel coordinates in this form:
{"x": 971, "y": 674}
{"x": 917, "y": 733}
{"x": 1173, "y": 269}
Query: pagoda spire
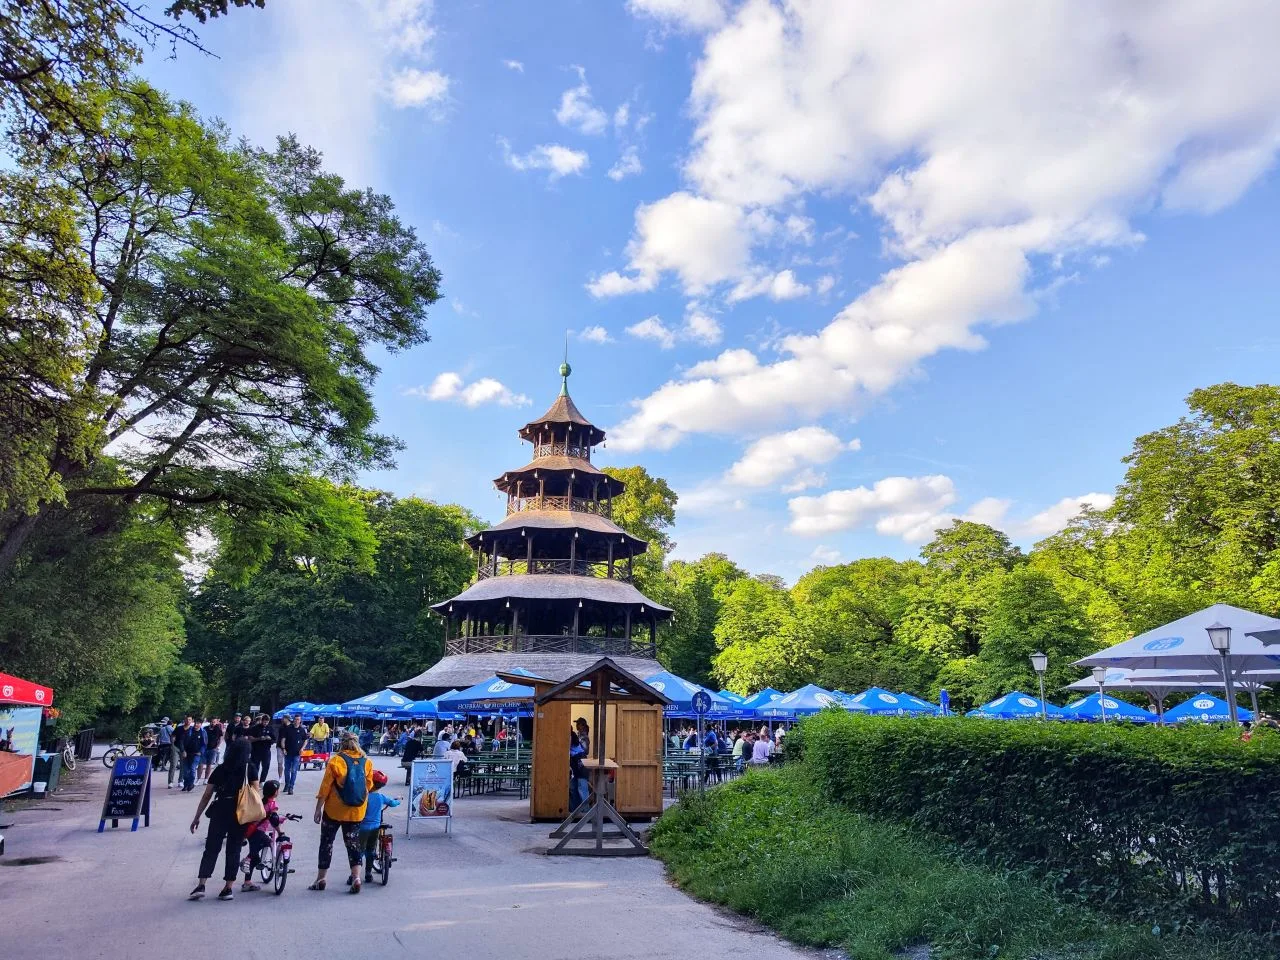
{"x": 565, "y": 370}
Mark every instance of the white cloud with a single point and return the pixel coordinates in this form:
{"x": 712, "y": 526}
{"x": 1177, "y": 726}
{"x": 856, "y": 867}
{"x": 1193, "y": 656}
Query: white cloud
{"x": 704, "y": 241}
{"x": 782, "y": 285}
{"x": 799, "y": 228}
{"x": 652, "y": 328}
{"x": 825, "y": 283}
{"x": 450, "y": 386}
{"x": 324, "y": 72}
{"x": 780, "y": 456}
{"x": 412, "y": 87}
{"x": 701, "y": 327}
{"x": 558, "y": 160}
{"x": 622, "y": 116}
{"x": 628, "y": 164}
{"x": 685, "y": 14}
{"x": 825, "y": 556}
{"x": 515, "y": 65}
{"x": 1054, "y": 518}
{"x": 907, "y": 507}
{"x": 990, "y": 170}
{"x": 710, "y": 498}
{"x": 578, "y": 111}
{"x": 595, "y": 334}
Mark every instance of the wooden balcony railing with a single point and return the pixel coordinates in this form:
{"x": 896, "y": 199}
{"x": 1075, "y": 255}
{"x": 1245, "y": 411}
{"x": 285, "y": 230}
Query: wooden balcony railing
{"x": 578, "y": 504}
{"x": 552, "y": 643}
{"x": 554, "y": 448}
{"x": 571, "y": 568}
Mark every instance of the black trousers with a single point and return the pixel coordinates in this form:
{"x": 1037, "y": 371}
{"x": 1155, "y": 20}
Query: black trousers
{"x": 223, "y": 831}
{"x": 261, "y": 763}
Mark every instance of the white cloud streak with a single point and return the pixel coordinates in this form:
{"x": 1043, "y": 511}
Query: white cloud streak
{"x": 450, "y": 386}
{"x": 578, "y": 111}
{"x": 558, "y": 160}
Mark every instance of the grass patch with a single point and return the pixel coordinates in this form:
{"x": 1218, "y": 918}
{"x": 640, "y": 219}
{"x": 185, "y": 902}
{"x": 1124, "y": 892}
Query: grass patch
{"x": 769, "y": 846}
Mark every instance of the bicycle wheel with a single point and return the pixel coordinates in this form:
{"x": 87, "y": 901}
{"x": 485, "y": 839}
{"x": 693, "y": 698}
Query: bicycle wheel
{"x": 281, "y": 871}
{"x": 384, "y": 865}
{"x": 69, "y": 757}
{"x": 267, "y": 870}
{"x": 109, "y": 758}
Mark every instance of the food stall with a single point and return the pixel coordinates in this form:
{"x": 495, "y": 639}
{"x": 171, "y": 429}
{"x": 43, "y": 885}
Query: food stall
{"x": 22, "y": 706}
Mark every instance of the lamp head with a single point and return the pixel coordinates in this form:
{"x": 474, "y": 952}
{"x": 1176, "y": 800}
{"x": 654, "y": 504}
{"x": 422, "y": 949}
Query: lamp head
{"x": 1039, "y": 662}
{"x": 1219, "y": 637}
{"x": 1099, "y": 675}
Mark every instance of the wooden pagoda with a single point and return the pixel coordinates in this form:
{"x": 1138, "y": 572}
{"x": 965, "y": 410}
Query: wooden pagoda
{"x": 553, "y": 590}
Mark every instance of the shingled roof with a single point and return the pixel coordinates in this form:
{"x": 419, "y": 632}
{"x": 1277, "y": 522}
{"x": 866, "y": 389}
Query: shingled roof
{"x": 466, "y": 669}
{"x": 557, "y": 520}
{"x": 543, "y": 586}
{"x": 564, "y": 410}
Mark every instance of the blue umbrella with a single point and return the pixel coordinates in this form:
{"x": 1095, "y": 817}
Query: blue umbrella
{"x": 376, "y": 703}
{"x": 494, "y": 695}
{"x": 327, "y": 710}
{"x": 731, "y": 696}
{"x": 680, "y": 692}
{"x": 881, "y": 703}
{"x": 430, "y": 709}
{"x": 299, "y": 706}
{"x": 762, "y": 699}
{"x": 1015, "y": 706}
{"x": 1096, "y": 707}
{"x": 810, "y": 698}
{"x": 923, "y": 705}
{"x": 1204, "y": 708}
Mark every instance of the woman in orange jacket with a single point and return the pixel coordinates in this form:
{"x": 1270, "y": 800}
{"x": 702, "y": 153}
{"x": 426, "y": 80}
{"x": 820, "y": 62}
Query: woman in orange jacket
{"x": 340, "y": 806}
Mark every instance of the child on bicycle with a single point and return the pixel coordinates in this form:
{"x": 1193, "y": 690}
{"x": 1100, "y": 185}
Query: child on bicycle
{"x": 372, "y": 821}
{"x": 262, "y": 833}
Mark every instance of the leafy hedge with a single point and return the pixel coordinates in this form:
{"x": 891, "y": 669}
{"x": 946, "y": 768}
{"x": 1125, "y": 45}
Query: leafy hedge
{"x": 1177, "y": 826}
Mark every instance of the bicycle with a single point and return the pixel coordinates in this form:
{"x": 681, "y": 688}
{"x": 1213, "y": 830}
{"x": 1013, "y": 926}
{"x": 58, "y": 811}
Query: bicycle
{"x": 273, "y": 864}
{"x": 117, "y": 750}
{"x": 382, "y": 864}
{"x": 69, "y": 753}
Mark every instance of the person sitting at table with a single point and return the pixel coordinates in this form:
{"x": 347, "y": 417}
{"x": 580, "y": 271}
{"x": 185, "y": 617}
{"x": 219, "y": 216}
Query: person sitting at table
{"x": 458, "y": 758}
{"x": 412, "y": 748}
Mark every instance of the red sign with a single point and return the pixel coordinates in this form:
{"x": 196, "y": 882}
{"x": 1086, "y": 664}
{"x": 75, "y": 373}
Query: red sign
{"x": 14, "y": 690}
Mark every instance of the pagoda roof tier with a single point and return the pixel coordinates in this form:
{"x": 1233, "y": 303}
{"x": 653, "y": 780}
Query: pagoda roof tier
{"x": 464, "y": 670}
{"x": 563, "y": 413}
{"x": 560, "y": 521}
{"x": 560, "y": 465}
{"x": 539, "y": 586}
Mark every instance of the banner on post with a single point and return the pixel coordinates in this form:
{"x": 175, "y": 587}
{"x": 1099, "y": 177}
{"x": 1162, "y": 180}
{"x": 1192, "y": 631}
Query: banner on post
{"x": 431, "y": 792}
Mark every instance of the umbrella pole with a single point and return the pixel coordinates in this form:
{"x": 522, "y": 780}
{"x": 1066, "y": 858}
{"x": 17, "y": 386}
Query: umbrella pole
{"x": 1160, "y": 710}
{"x": 1253, "y": 699}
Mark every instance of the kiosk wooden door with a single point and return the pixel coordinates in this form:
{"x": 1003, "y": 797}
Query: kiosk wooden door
{"x": 639, "y": 757}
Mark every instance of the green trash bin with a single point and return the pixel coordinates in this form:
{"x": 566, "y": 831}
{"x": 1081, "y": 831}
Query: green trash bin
{"x": 47, "y": 769}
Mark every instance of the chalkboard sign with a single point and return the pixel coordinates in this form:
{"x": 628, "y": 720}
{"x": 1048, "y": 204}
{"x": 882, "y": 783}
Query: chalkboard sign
{"x": 128, "y": 793}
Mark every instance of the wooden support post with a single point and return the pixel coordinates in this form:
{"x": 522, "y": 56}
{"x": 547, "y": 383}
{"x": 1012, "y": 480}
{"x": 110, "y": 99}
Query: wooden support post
{"x": 528, "y": 553}
{"x": 611, "y": 558}
{"x": 653, "y": 634}
{"x": 573, "y": 554}
{"x": 628, "y": 629}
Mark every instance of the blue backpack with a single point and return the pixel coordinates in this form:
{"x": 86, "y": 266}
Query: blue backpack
{"x": 354, "y": 790}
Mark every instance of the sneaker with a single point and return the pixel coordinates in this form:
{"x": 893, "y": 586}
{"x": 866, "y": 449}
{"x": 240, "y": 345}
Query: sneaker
{"x": 197, "y": 893}
{"x": 227, "y": 895}
{"x": 247, "y": 887}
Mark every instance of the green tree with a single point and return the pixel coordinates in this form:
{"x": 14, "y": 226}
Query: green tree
{"x": 695, "y": 591}
{"x": 646, "y": 509}
{"x": 239, "y": 293}
{"x": 759, "y": 639}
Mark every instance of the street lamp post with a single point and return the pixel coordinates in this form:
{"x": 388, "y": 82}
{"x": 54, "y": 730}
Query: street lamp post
{"x": 1220, "y": 639}
{"x": 1099, "y": 677}
{"x": 1040, "y": 663}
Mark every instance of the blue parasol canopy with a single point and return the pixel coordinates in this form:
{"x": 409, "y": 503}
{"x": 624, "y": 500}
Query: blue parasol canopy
{"x": 1015, "y": 706}
{"x": 1096, "y": 707}
{"x": 810, "y": 698}
{"x": 922, "y": 704}
{"x": 299, "y": 706}
{"x": 430, "y": 709}
{"x": 327, "y": 710}
{"x": 376, "y": 703}
{"x": 1204, "y": 708}
{"x": 731, "y": 697}
{"x": 494, "y": 695}
{"x": 680, "y": 692}
{"x": 881, "y": 703}
{"x": 762, "y": 699}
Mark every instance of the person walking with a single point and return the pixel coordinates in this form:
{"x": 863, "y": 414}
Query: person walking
{"x": 584, "y": 735}
{"x": 164, "y": 750}
{"x": 213, "y": 746}
{"x": 219, "y": 800}
{"x": 191, "y": 741}
{"x": 340, "y": 806}
{"x": 293, "y": 737}
{"x": 261, "y": 735}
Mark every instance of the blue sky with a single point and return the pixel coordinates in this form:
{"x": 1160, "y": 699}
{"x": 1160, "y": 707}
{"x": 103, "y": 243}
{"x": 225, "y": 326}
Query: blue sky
{"x": 838, "y": 276}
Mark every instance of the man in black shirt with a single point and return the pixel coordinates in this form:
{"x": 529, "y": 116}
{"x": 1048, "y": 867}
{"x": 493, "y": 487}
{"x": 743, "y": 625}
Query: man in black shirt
{"x": 293, "y": 737}
{"x": 260, "y": 737}
{"x": 191, "y": 741}
{"x": 213, "y": 743}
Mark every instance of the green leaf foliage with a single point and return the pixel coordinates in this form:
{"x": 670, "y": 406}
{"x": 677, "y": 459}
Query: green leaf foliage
{"x": 1175, "y": 826}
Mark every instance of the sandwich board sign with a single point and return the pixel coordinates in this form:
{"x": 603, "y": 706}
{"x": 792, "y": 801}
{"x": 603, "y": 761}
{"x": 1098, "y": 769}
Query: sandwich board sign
{"x": 431, "y": 792}
{"x": 128, "y": 793}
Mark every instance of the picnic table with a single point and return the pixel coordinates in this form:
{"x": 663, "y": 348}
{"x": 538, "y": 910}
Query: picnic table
{"x": 495, "y": 774}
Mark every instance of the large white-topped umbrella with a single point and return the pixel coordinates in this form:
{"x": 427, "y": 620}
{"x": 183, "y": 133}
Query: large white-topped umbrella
{"x": 1185, "y": 644}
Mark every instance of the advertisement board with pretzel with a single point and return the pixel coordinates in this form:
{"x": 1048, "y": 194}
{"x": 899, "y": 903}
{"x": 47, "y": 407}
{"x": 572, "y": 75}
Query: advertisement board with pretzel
{"x": 431, "y": 792}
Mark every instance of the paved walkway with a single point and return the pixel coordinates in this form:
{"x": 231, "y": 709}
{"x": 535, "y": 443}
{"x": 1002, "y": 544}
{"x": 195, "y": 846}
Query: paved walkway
{"x": 484, "y": 893}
